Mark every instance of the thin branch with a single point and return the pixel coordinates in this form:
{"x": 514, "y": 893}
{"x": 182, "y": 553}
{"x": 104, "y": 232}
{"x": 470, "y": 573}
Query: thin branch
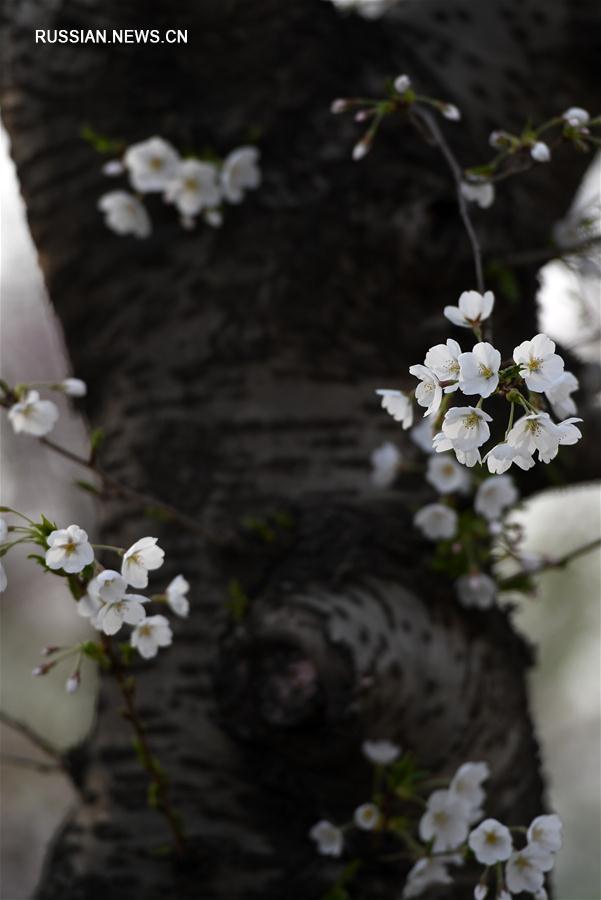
{"x": 546, "y": 254}
{"x": 157, "y": 776}
{"x": 562, "y": 561}
{"x": 120, "y": 489}
{"x": 457, "y": 172}
{"x": 24, "y": 762}
{"x": 33, "y": 737}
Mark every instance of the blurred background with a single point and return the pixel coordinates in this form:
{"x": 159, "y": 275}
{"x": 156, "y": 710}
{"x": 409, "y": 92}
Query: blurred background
{"x": 563, "y": 621}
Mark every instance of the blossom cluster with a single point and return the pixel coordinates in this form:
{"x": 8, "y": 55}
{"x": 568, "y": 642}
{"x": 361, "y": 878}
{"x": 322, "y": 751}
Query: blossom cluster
{"x": 102, "y": 595}
{"x": 28, "y": 413}
{"x": 195, "y": 187}
{"x": 534, "y": 372}
{"x": 402, "y": 97}
{"x": 451, "y": 831}
{"x": 573, "y": 126}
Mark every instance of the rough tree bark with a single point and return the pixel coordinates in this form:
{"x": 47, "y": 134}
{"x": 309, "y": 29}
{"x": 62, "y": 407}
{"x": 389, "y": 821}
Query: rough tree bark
{"x": 233, "y": 372}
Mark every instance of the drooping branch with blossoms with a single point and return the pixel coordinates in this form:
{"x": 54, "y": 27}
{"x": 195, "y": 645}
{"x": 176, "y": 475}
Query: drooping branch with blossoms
{"x": 432, "y": 828}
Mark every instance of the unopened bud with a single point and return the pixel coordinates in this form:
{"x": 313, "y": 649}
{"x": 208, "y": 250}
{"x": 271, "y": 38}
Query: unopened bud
{"x": 48, "y": 651}
{"x": 450, "y": 112}
{"x": 113, "y": 167}
{"x": 72, "y": 683}
{"x": 402, "y": 84}
{"x": 339, "y": 106}
{"x": 540, "y": 152}
{"x": 42, "y": 669}
{"x": 361, "y": 149}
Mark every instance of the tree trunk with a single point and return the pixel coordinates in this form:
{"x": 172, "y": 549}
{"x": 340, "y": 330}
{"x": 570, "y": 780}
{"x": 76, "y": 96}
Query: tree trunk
{"x": 233, "y": 372}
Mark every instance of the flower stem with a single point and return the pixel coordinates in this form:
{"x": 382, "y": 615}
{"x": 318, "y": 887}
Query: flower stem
{"x": 157, "y": 777}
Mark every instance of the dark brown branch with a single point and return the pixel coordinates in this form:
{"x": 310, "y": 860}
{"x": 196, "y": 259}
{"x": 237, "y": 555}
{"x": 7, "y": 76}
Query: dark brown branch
{"x": 24, "y": 762}
{"x": 33, "y": 737}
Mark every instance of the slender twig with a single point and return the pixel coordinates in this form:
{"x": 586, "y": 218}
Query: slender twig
{"x": 546, "y": 254}
{"x": 562, "y": 561}
{"x": 113, "y": 485}
{"x": 123, "y": 490}
{"x": 157, "y": 776}
{"x": 457, "y": 172}
{"x": 24, "y": 762}
{"x": 33, "y": 737}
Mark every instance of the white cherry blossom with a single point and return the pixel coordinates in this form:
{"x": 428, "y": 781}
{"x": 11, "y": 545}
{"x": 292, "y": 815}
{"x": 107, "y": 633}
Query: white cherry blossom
{"x": 467, "y": 785}
{"x": 491, "y": 842}
{"x": 240, "y": 173}
{"x": 90, "y": 604}
{"x": 398, "y": 405}
{"x": 494, "y": 496}
{"x": 385, "y": 461}
{"x": 466, "y": 427}
{"x": 110, "y": 588}
{"x": 151, "y": 165}
{"x": 426, "y": 872}
{"x": 69, "y": 549}
{"x": 113, "y": 167}
{"x": 428, "y": 393}
{"x": 441, "y": 444}
{"x": 472, "y": 310}
{"x": 540, "y": 152}
{"x": 32, "y": 415}
{"x": 423, "y": 435}
{"x": 482, "y": 193}
{"x": 445, "y": 821}
{"x": 150, "y": 634}
{"x": 176, "y": 594}
{"x": 436, "y": 521}
{"x": 381, "y": 752}
{"x": 535, "y": 431}
{"x": 559, "y": 397}
{"x": 479, "y": 370}
{"x": 576, "y": 117}
{"x": 476, "y": 589}
{"x": 328, "y": 837}
{"x": 545, "y": 834}
{"x": 125, "y": 214}
{"x": 194, "y": 187}
{"x": 444, "y": 474}
{"x": 73, "y": 387}
{"x": 480, "y": 892}
{"x": 451, "y": 112}
{"x": 367, "y": 817}
{"x": 143, "y": 556}
{"x": 402, "y": 83}
{"x": 443, "y": 360}
{"x": 540, "y": 366}
{"x": 568, "y": 434}
{"x": 526, "y": 869}
{"x": 501, "y": 457}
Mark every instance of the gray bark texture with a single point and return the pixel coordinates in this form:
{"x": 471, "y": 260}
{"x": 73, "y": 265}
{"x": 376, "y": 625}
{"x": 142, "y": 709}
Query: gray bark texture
{"x": 233, "y": 372}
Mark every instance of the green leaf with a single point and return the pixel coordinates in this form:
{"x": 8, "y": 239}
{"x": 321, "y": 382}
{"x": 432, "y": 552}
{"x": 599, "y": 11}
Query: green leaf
{"x": 238, "y": 602}
{"x": 88, "y": 486}
{"x": 95, "y": 652}
{"x": 96, "y": 439}
{"x": 158, "y": 512}
{"x": 153, "y": 795}
{"x": 260, "y": 527}
{"x": 337, "y": 893}
{"x": 101, "y": 143}
{"x": 505, "y": 279}
{"x": 127, "y": 653}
